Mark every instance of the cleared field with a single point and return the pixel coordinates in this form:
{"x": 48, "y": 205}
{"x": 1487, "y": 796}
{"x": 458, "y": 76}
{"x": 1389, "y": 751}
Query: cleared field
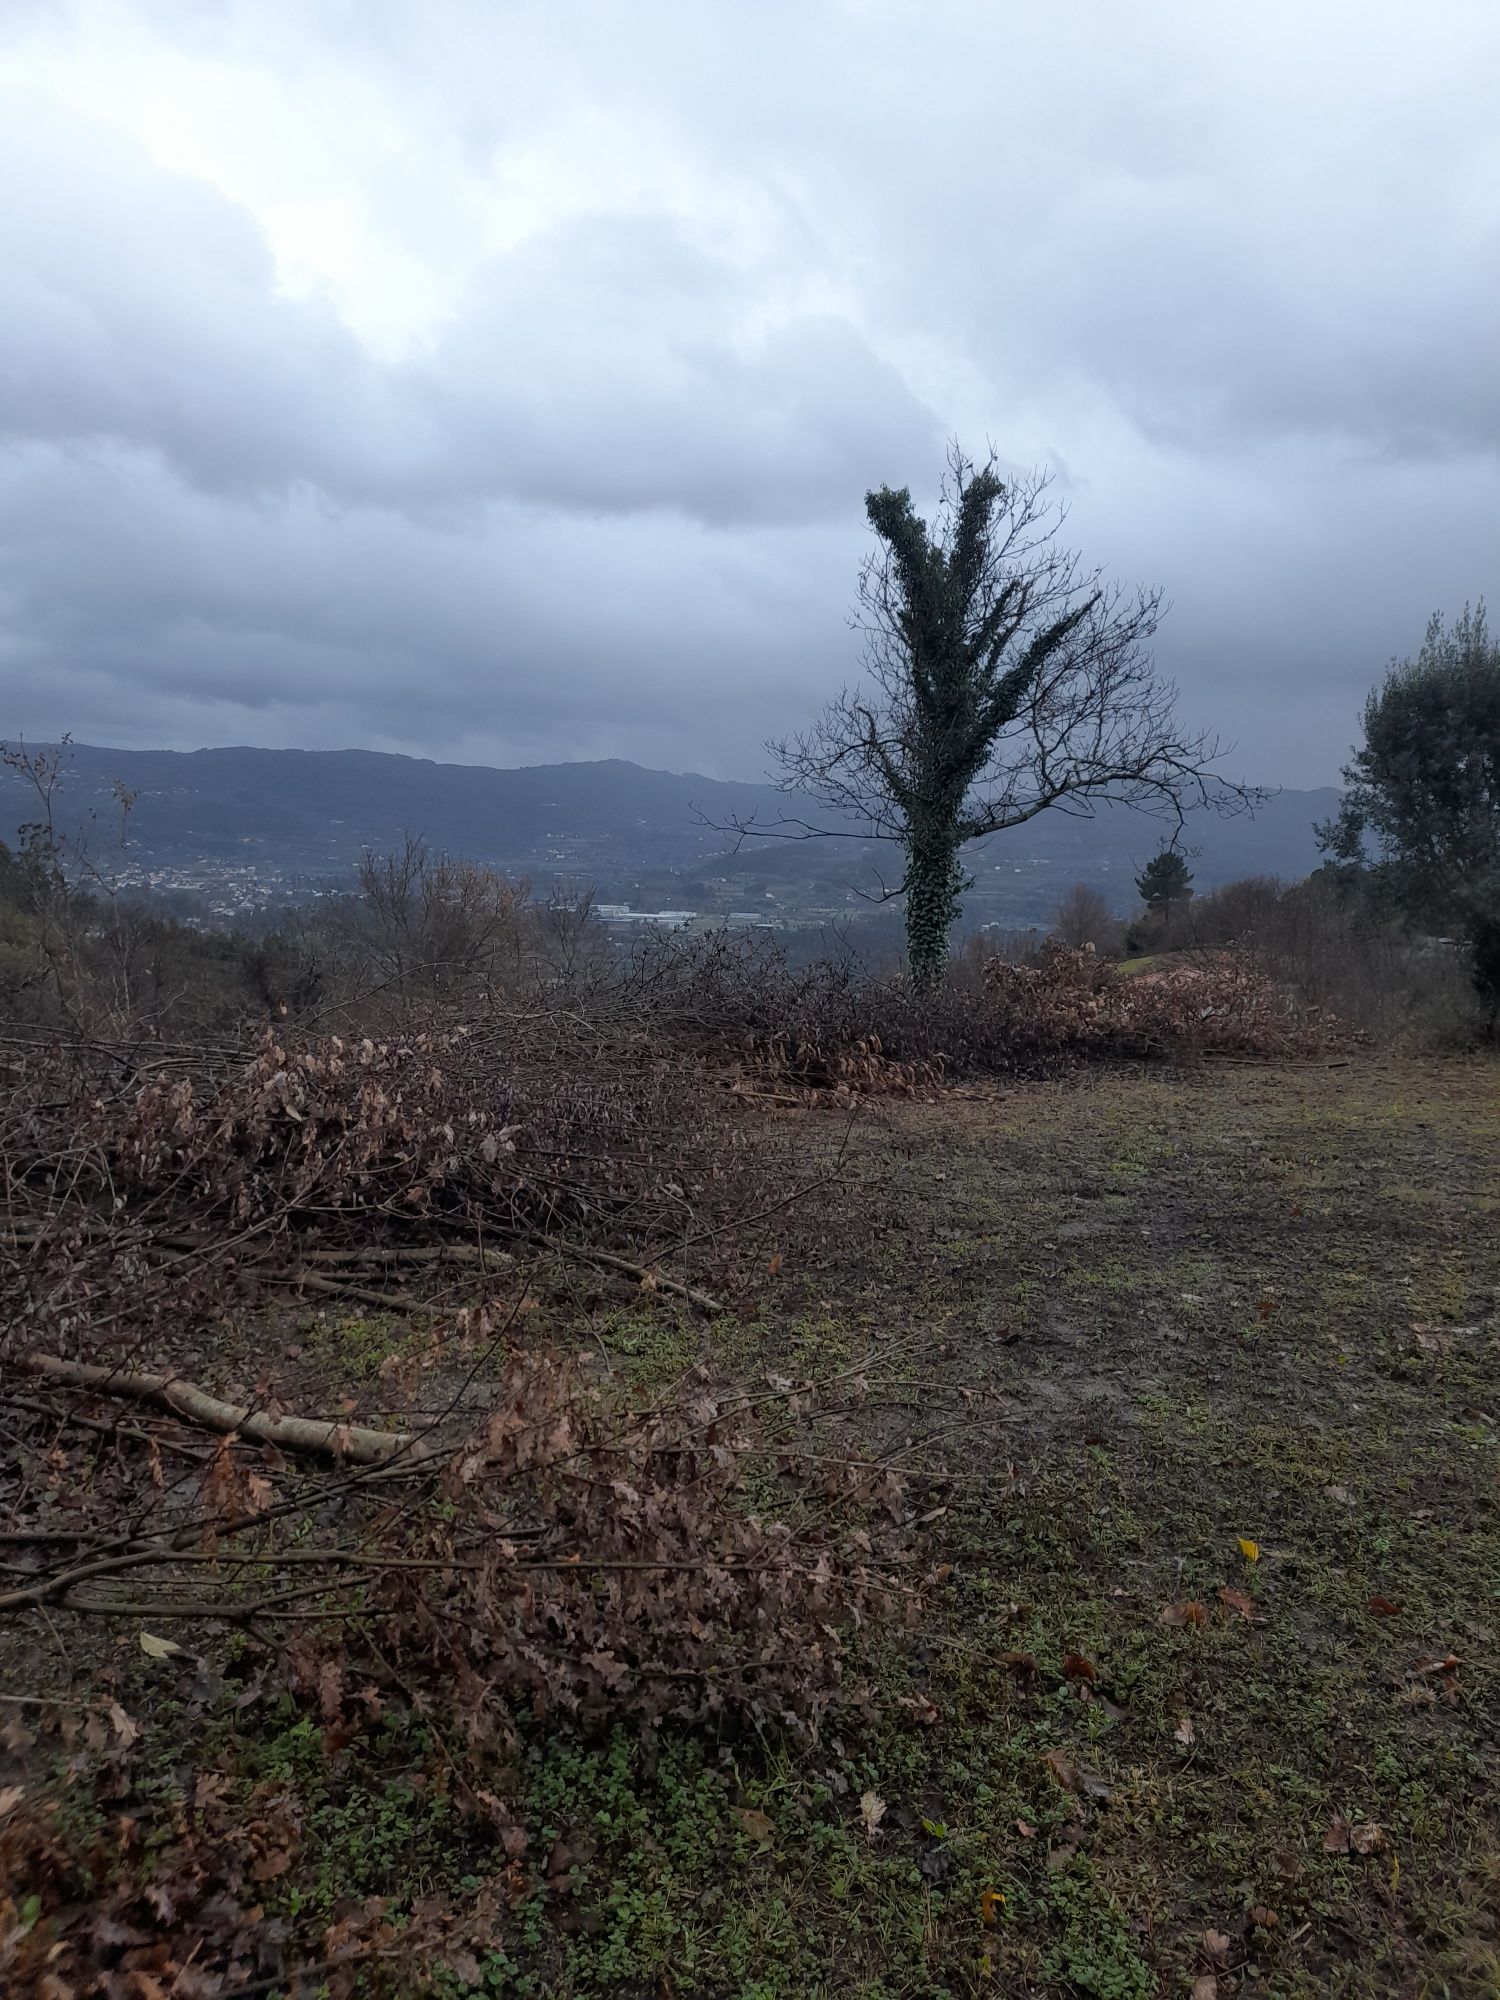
{"x": 1207, "y": 1688}
{"x": 1212, "y": 1689}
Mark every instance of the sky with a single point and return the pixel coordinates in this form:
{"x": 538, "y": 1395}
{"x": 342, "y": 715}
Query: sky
{"x": 500, "y": 380}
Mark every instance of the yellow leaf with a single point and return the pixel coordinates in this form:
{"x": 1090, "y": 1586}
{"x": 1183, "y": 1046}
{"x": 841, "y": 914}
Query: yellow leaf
{"x": 1249, "y": 1550}
{"x": 991, "y": 1902}
{"x": 158, "y": 1649}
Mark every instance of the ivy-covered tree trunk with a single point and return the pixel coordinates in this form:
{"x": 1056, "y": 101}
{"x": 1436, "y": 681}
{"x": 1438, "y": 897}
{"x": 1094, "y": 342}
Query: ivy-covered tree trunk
{"x": 1002, "y": 678}
{"x": 933, "y": 882}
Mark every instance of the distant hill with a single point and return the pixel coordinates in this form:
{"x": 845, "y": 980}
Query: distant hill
{"x": 318, "y": 809}
{"x": 310, "y": 813}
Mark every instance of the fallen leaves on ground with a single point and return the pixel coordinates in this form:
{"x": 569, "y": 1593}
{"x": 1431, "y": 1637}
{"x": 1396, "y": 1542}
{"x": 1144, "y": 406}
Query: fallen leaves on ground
{"x": 754, "y": 1823}
{"x": 126, "y": 1728}
{"x": 1236, "y": 1600}
{"x": 1444, "y": 1663}
{"x": 1076, "y": 1777}
{"x": 1249, "y": 1550}
{"x": 1062, "y": 1767}
{"x": 1342, "y": 1838}
{"x": 1382, "y": 1607}
{"x": 1184, "y": 1733}
{"x": 1432, "y": 1339}
{"x": 871, "y": 1811}
{"x": 1076, "y": 1668}
{"x": 1190, "y": 1612}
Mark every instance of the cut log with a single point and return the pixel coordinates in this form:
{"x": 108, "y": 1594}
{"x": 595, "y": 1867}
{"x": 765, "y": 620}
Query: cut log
{"x": 354, "y": 1443}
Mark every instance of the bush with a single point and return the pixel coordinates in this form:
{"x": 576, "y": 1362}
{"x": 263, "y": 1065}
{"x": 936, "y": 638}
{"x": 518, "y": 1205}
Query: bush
{"x": 1336, "y": 949}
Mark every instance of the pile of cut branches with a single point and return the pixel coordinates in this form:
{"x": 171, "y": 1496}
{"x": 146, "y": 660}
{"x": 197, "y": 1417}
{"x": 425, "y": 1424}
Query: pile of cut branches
{"x": 1076, "y": 1002}
{"x": 136, "y": 1193}
{"x": 529, "y": 1544}
{"x": 577, "y": 1555}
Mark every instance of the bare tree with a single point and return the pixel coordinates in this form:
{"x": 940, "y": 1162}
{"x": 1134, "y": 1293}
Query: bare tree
{"x": 427, "y": 923}
{"x": 1083, "y": 917}
{"x": 92, "y": 946}
{"x": 1002, "y": 678}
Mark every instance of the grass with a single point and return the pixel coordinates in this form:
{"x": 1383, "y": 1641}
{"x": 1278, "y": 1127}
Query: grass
{"x": 1158, "y": 1316}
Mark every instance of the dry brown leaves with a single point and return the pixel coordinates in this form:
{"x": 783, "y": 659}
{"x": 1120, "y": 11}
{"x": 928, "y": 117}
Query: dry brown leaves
{"x": 577, "y": 1557}
{"x": 179, "y": 1189}
{"x": 607, "y": 1566}
{"x": 1075, "y": 1001}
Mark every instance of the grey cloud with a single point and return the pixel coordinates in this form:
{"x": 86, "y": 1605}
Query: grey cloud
{"x": 141, "y": 310}
{"x": 608, "y": 366}
{"x": 298, "y": 616}
{"x": 614, "y": 365}
{"x": 1236, "y": 273}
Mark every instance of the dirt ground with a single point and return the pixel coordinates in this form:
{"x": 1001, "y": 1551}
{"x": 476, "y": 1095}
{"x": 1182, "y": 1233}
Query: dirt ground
{"x": 1207, "y": 1696}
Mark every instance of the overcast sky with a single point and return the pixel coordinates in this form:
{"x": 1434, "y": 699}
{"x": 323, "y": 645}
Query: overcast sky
{"x": 501, "y": 382}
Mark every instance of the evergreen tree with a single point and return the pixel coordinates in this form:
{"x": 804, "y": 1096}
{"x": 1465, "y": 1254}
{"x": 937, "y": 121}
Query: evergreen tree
{"x": 1424, "y": 788}
{"x": 1163, "y": 883}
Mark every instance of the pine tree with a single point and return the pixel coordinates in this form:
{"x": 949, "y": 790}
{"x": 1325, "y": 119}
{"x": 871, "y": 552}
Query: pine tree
{"x": 1163, "y": 883}
{"x": 1424, "y": 787}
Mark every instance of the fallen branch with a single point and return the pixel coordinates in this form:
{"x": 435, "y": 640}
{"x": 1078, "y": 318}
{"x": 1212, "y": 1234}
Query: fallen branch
{"x": 364, "y": 1295}
{"x": 653, "y": 1280}
{"x": 351, "y": 1442}
{"x": 413, "y": 1253}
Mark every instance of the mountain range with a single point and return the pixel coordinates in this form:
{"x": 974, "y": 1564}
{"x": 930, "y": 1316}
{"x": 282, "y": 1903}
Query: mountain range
{"x": 308, "y": 814}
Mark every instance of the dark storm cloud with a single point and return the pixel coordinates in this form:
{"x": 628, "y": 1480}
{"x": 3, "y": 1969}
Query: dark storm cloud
{"x": 501, "y": 389}
{"x": 226, "y": 619}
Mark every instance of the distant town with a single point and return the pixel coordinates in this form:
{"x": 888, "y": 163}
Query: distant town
{"x": 227, "y": 839}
